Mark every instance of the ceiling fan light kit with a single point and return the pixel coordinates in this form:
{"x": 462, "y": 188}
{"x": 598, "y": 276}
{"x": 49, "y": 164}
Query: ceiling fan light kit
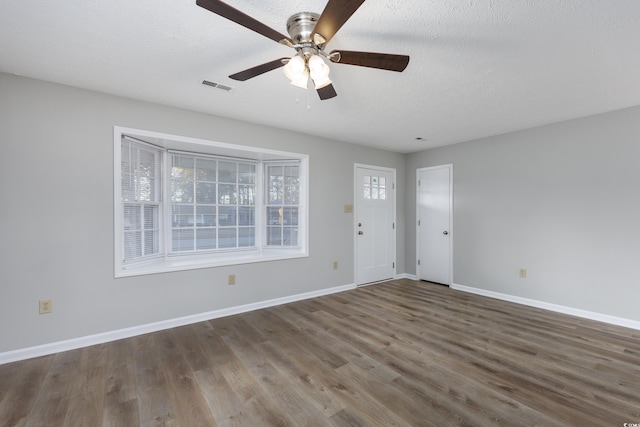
{"x": 309, "y": 33}
{"x": 296, "y": 70}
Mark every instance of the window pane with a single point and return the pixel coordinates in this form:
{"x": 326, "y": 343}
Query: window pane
{"x": 150, "y": 217}
{"x": 205, "y": 238}
{"x": 182, "y": 187}
{"x": 228, "y": 195}
{"x": 227, "y": 172}
{"x": 132, "y": 218}
{"x": 128, "y": 187}
{"x": 132, "y": 244}
{"x": 182, "y": 240}
{"x": 274, "y": 215}
{"x": 247, "y": 173}
{"x": 246, "y": 195}
{"x": 227, "y": 238}
{"x": 183, "y": 165}
{"x": 205, "y": 192}
{"x": 182, "y": 216}
{"x": 291, "y": 195}
{"x": 290, "y": 216}
{"x": 275, "y": 184}
{"x": 147, "y": 170}
{"x": 291, "y": 175}
{"x": 227, "y": 215}
{"x": 151, "y": 242}
{"x": 274, "y": 236}
{"x": 205, "y": 216}
{"x": 246, "y": 216}
{"x": 182, "y": 191}
{"x": 206, "y": 170}
{"x": 290, "y": 236}
{"x": 246, "y": 236}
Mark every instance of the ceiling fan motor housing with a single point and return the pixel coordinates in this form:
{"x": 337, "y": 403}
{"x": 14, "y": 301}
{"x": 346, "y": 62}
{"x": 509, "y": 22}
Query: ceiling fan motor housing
{"x": 300, "y": 27}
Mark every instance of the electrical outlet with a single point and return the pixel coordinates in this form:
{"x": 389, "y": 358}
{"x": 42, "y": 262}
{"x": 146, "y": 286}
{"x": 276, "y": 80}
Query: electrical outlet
{"x": 335, "y": 265}
{"x": 46, "y": 306}
{"x": 523, "y": 273}
{"x": 232, "y": 279}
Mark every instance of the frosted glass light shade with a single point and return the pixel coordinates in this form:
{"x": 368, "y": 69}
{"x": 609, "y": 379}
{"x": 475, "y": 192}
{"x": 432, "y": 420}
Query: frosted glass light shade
{"x": 319, "y": 71}
{"x": 295, "y": 68}
{"x": 301, "y": 81}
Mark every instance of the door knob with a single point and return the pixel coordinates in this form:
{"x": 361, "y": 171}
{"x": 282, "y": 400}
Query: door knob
{"x": 445, "y": 232}
{"x": 361, "y": 232}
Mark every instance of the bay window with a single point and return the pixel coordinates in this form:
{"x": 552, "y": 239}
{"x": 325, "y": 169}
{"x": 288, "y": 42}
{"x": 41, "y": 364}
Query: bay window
{"x": 182, "y": 203}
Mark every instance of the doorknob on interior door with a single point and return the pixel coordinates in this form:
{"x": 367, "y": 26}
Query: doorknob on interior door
{"x": 445, "y": 232}
{"x": 361, "y": 232}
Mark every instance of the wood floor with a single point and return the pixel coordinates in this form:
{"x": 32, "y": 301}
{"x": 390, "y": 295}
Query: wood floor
{"x": 402, "y": 353}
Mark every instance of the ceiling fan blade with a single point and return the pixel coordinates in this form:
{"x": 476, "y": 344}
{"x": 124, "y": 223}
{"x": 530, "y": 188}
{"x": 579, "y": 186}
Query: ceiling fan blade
{"x": 250, "y": 73}
{"x": 383, "y": 61}
{"x": 232, "y": 14}
{"x": 327, "y": 92}
{"x": 335, "y": 14}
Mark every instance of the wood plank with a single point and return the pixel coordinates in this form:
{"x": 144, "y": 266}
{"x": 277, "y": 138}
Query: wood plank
{"x": 189, "y": 405}
{"x": 19, "y": 396}
{"x": 121, "y": 401}
{"x": 152, "y": 388}
{"x": 86, "y": 404}
{"x": 52, "y": 403}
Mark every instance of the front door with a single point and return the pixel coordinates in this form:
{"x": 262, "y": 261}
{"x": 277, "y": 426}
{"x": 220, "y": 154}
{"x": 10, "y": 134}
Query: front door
{"x": 374, "y": 224}
{"x": 434, "y": 224}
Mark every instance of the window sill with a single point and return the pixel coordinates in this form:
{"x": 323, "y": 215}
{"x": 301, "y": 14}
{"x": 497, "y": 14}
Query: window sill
{"x": 166, "y": 265}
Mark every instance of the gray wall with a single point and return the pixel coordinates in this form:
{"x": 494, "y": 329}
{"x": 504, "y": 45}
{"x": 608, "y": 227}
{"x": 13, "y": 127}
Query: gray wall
{"x": 56, "y": 216}
{"x": 562, "y": 201}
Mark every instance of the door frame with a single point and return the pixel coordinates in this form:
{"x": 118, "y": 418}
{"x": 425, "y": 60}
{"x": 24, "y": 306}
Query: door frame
{"x": 357, "y": 166}
{"x": 418, "y": 170}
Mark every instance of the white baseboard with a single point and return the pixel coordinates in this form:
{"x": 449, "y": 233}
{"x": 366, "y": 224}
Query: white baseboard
{"x": 619, "y": 321}
{"x": 406, "y": 276}
{"x": 56, "y": 347}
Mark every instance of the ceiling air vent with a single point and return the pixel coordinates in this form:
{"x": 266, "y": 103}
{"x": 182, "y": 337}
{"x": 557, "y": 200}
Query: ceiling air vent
{"x": 217, "y": 85}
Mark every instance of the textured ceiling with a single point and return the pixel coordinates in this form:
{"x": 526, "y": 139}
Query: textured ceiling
{"x": 478, "y": 67}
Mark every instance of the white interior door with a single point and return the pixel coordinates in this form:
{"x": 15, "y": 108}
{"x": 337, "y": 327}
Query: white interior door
{"x": 374, "y": 224}
{"x": 434, "y": 197}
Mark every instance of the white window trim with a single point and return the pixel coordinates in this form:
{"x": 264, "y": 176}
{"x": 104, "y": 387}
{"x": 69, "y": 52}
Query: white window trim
{"x": 164, "y": 263}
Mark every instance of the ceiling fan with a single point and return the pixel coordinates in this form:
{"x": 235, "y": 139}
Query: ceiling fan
{"x": 309, "y": 34}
